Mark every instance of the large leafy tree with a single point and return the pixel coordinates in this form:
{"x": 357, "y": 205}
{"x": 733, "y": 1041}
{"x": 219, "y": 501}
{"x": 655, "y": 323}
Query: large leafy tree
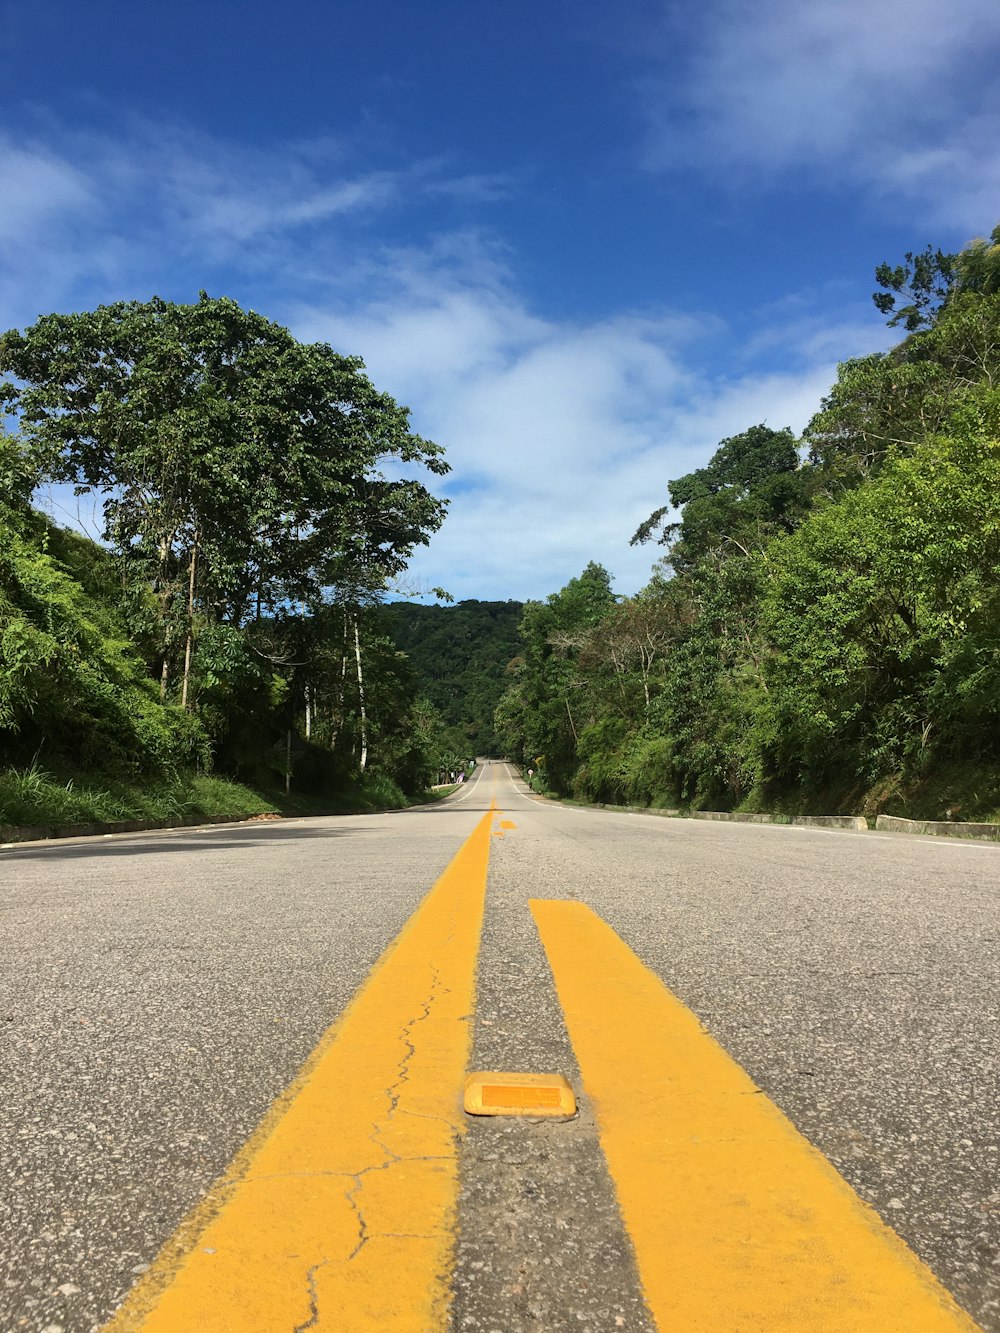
{"x": 881, "y": 617}
{"x": 239, "y": 469}
{"x": 750, "y": 488}
{"x": 884, "y": 405}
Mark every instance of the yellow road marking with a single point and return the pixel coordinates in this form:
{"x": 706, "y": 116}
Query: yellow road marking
{"x": 339, "y": 1213}
{"x": 738, "y": 1222}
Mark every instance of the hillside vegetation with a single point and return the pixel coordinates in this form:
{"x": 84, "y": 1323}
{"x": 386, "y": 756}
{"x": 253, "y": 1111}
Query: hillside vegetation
{"x": 822, "y": 632}
{"x": 460, "y": 655}
{"x": 229, "y": 626}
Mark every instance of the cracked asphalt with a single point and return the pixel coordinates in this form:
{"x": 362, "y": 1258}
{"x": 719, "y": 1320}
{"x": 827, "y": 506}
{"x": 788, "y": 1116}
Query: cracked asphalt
{"x": 159, "y": 991}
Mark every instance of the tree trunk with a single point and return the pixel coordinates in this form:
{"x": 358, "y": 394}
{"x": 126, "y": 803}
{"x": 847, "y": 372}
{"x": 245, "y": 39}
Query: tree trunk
{"x": 363, "y": 756}
{"x": 190, "y": 623}
{"x": 572, "y": 724}
{"x": 645, "y": 666}
{"x": 337, "y": 710}
{"x": 163, "y": 594}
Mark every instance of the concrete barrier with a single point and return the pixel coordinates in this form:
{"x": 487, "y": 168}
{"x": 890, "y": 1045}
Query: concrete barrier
{"x": 735, "y": 817}
{"x": 630, "y": 809}
{"x": 938, "y": 828}
{"x": 855, "y": 823}
{"x": 24, "y": 833}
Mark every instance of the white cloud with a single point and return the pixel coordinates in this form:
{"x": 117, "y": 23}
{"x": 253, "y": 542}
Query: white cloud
{"x": 483, "y": 188}
{"x": 561, "y": 436}
{"x": 39, "y": 189}
{"x": 899, "y": 95}
{"x": 235, "y": 201}
{"x": 50, "y": 230}
{"x": 111, "y": 217}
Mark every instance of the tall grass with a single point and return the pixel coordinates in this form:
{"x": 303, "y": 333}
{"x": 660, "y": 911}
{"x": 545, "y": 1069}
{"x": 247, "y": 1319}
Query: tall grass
{"x": 35, "y": 797}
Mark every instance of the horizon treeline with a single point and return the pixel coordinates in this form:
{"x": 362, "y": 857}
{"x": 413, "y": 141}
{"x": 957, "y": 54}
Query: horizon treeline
{"x": 230, "y": 619}
{"x": 822, "y": 632}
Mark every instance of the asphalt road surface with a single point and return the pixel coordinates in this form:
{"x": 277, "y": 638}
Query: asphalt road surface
{"x": 176, "y": 1010}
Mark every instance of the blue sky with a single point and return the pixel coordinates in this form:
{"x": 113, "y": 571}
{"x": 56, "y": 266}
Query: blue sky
{"x": 583, "y": 242}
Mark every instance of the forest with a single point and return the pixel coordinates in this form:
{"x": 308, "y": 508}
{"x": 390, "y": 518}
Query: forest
{"x": 821, "y": 632}
{"x": 223, "y": 648}
{"x": 460, "y": 655}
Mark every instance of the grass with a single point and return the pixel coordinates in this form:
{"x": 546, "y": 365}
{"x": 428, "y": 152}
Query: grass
{"x": 35, "y": 797}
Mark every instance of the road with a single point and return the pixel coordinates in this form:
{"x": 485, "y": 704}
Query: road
{"x": 232, "y": 1079}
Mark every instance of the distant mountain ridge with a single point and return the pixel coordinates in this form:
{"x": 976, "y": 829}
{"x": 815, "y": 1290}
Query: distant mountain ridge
{"x": 459, "y": 654}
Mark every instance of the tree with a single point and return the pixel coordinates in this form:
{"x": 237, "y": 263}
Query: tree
{"x": 820, "y": 635}
{"x": 977, "y": 268}
{"x": 73, "y": 689}
{"x": 239, "y": 469}
{"x": 879, "y": 404}
{"x": 881, "y": 617}
{"x": 750, "y": 487}
{"x": 624, "y": 650}
{"x": 18, "y": 480}
{"x": 923, "y": 281}
{"x": 547, "y": 705}
{"x": 884, "y": 405}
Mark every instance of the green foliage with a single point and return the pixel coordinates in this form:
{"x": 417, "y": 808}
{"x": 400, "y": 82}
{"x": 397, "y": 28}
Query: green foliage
{"x": 251, "y": 530}
{"x": 881, "y": 615}
{"x": 750, "y": 488}
{"x": 823, "y": 635}
{"x": 240, "y": 469}
{"x": 923, "y": 281}
{"x": 930, "y": 280}
{"x": 546, "y": 708}
{"x": 978, "y": 266}
{"x": 459, "y": 655}
{"x": 71, "y": 683}
{"x": 18, "y": 479}
{"x": 886, "y": 404}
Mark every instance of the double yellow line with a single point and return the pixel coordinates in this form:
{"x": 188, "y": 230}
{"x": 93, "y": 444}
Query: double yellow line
{"x": 339, "y": 1213}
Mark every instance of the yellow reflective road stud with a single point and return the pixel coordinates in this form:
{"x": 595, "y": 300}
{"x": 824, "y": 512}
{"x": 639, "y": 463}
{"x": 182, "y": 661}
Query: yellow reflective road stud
{"x": 519, "y": 1094}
